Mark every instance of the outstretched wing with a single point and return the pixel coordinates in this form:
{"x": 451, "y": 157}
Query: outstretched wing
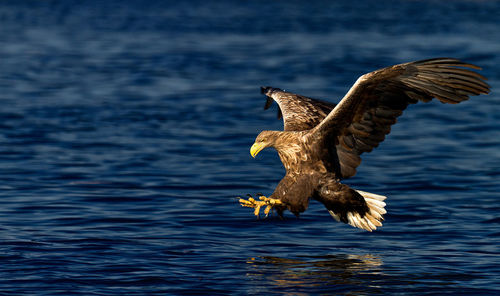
{"x": 299, "y": 112}
{"x": 365, "y": 114}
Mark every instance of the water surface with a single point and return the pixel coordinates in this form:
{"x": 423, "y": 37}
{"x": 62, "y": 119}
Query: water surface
{"x": 125, "y": 133}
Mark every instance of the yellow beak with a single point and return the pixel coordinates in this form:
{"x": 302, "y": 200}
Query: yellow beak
{"x": 255, "y": 149}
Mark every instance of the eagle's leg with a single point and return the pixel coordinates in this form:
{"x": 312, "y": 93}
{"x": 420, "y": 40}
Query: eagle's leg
{"x": 269, "y": 203}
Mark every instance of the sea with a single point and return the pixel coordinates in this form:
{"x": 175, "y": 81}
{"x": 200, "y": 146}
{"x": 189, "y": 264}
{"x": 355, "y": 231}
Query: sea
{"x": 125, "y": 129}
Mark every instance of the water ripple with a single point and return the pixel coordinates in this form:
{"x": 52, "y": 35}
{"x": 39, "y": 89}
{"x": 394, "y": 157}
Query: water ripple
{"x": 126, "y": 129}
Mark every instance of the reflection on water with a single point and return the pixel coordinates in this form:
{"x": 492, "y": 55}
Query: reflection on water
{"x": 330, "y": 272}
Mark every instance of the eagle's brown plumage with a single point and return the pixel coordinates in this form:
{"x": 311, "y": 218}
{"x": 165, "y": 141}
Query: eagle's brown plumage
{"x": 322, "y": 142}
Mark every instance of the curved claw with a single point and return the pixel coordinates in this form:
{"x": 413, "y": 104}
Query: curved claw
{"x": 270, "y": 203}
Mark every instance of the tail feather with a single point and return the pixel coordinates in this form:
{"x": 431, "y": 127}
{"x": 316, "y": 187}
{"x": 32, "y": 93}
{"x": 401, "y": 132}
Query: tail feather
{"x": 373, "y": 218}
{"x": 372, "y": 196}
{"x": 376, "y": 203}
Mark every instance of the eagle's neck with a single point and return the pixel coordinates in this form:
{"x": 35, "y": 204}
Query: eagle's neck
{"x": 290, "y": 156}
{"x": 291, "y": 150}
{"x": 297, "y": 153}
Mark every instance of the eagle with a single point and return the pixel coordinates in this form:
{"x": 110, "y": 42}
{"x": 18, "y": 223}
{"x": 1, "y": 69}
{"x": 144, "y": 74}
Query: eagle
{"x": 322, "y": 143}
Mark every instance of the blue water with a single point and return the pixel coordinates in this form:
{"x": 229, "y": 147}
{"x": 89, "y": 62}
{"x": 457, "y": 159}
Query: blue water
{"x": 125, "y": 133}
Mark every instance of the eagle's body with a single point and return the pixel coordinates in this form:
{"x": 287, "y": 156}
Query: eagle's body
{"x": 322, "y": 142}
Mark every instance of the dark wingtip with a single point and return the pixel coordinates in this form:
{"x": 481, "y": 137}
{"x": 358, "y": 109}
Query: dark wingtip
{"x": 264, "y": 89}
{"x": 268, "y": 90}
{"x": 268, "y": 104}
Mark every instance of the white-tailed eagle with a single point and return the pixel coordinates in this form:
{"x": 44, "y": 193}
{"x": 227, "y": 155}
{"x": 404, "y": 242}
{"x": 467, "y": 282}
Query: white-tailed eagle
{"x": 322, "y": 142}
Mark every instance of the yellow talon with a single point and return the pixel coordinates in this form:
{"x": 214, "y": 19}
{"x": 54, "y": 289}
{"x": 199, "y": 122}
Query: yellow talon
{"x": 257, "y": 210}
{"x": 267, "y": 210}
{"x": 270, "y": 203}
{"x": 245, "y": 203}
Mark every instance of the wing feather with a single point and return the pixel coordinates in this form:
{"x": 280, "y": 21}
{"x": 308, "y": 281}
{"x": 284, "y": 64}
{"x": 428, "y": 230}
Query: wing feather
{"x": 299, "y": 112}
{"x": 365, "y": 114}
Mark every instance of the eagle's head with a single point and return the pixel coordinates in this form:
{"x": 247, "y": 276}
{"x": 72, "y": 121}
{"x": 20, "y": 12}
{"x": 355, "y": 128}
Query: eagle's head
{"x": 264, "y": 139}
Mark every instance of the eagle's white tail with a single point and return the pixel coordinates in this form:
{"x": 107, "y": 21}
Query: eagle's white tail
{"x": 373, "y": 218}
